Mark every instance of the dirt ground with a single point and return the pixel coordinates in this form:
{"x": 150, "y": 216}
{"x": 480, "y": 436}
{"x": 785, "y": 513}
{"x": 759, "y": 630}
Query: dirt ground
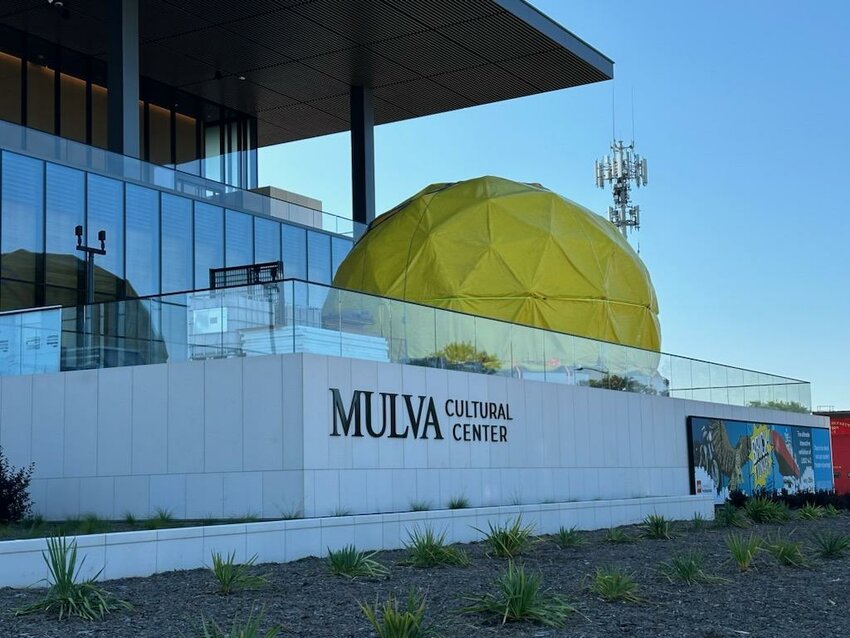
{"x": 768, "y": 601}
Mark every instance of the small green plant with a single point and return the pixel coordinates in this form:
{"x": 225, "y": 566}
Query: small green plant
{"x": 698, "y": 521}
{"x": 509, "y": 540}
{"x": 810, "y": 512}
{"x": 34, "y": 523}
{"x": 763, "y": 510}
{"x": 568, "y": 537}
{"x": 830, "y": 510}
{"x": 341, "y": 511}
{"x": 657, "y": 527}
{"x": 292, "y": 514}
{"x": 519, "y": 597}
{"x": 743, "y": 549}
{"x": 420, "y": 506}
{"x": 250, "y": 628}
{"x": 232, "y": 576}
{"x": 391, "y": 619}
{"x": 458, "y": 503}
{"x": 614, "y": 584}
{"x": 831, "y": 544}
{"x": 787, "y": 552}
{"x": 91, "y": 524}
{"x": 67, "y": 595}
{"x": 727, "y": 515}
{"x": 687, "y": 567}
{"x": 426, "y": 548}
{"x": 618, "y": 536}
{"x": 161, "y": 518}
{"x": 352, "y": 563}
{"x": 130, "y": 519}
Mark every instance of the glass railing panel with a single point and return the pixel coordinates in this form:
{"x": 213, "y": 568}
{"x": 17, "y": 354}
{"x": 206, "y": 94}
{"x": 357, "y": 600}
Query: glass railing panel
{"x": 681, "y": 381}
{"x": 665, "y": 374}
{"x": 366, "y": 324}
{"x": 413, "y": 334}
{"x": 590, "y": 367}
{"x": 455, "y": 343}
{"x": 528, "y": 360}
{"x": 492, "y": 347}
{"x": 736, "y": 390}
{"x": 700, "y": 380}
{"x": 560, "y": 363}
{"x": 719, "y": 376}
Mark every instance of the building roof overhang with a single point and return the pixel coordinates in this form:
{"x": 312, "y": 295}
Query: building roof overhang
{"x": 291, "y": 63}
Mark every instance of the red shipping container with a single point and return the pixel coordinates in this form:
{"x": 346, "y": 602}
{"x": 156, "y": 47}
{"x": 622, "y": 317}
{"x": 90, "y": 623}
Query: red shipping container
{"x": 840, "y": 427}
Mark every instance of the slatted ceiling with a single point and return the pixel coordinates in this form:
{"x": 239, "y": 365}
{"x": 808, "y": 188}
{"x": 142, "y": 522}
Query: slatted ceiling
{"x": 485, "y": 84}
{"x": 427, "y": 53}
{"x": 439, "y": 13}
{"x": 502, "y": 41}
{"x": 291, "y": 34}
{"x": 301, "y": 57}
{"x": 551, "y": 70}
{"x": 361, "y": 21}
{"x": 298, "y": 81}
{"x": 360, "y": 66}
{"x": 423, "y": 97}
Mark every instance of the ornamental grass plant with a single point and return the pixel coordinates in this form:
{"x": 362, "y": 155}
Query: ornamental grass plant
{"x": 426, "y": 548}
{"x": 233, "y": 576}
{"x": 352, "y": 563}
{"x": 509, "y": 540}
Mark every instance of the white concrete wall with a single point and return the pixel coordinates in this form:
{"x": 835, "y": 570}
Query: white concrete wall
{"x": 228, "y": 438}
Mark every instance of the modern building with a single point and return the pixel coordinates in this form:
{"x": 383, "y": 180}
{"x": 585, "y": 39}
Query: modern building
{"x": 142, "y": 118}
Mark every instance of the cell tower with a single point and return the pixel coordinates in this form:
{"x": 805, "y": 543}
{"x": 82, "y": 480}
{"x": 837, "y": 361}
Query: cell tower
{"x": 621, "y": 168}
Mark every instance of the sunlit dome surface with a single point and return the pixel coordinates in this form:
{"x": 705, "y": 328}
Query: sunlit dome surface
{"x": 511, "y": 251}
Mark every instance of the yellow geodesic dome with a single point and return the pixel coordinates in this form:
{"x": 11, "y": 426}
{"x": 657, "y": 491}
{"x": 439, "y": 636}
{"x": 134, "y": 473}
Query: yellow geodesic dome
{"x": 509, "y": 251}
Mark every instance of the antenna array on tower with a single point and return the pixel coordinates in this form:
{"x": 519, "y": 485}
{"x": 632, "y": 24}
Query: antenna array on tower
{"x": 620, "y": 169}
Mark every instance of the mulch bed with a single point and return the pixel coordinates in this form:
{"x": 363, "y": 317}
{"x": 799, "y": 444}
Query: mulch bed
{"x": 770, "y": 600}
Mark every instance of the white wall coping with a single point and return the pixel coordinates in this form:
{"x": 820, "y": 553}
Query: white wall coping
{"x": 142, "y": 553}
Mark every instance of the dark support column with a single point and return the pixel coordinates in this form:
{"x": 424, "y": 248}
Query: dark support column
{"x": 362, "y": 154}
{"x": 122, "y": 64}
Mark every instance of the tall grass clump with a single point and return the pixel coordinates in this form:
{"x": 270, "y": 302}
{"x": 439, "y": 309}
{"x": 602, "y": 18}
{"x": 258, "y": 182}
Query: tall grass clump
{"x": 831, "y": 544}
{"x": 392, "y": 619}
{"x": 249, "y": 628}
{"x": 233, "y": 576}
{"x": 617, "y": 536}
{"x": 426, "y": 548}
{"x": 420, "y": 506}
{"x": 810, "y": 511}
{"x": 743, "y": 549}
{"x": 763, "y": 510}
{"x": 458, "y": 503}
{"x": 727, "y": 515}
{"x": 698, "y": 522}
{"x": 787, "y": 552}
{"x": 688, "y": 568}
{"x": 657, "y": 527}
{"x": 519, "y": 596}
{"x": 509, "y": 540}
{"x": 67, "y": 595}
{"x": 352, "y": 563}
{"x": 614, "y": 584}
{"x": 568, "y": 537}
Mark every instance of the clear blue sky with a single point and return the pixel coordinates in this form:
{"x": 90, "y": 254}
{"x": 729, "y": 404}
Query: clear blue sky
{"x": 743, "y": 110}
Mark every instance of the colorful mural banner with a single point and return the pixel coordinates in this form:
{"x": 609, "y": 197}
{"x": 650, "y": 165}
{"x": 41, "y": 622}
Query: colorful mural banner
{"x": 729, "y": 455}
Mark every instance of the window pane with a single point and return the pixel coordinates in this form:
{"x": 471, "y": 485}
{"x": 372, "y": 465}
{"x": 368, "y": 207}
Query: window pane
{"x": 98, "y": 115}
{"x": 40, "y": 94}
{"x": 160, "y": 134}
{"x": 239, "y": 234}
{"x": 15, "y": 294}
{"x": 318, "y": 258}
{"x": 186, "y": 140}
{"x": 339, "y": 250}
{"x": 209, "y": 242}
{"x": 294, "y": 251}
{"x": 66, "y": 191}
{"x": 142, "y": 241}
{"x": 22, "y": 216}
{"x": 72, "y": 101}
{"x": 266, "y": 240}
{"x": 10, "y": 96}
{"x": 212, "y": 153}
{"x": 106, "y": 212}
{"x": 176, "y": 243}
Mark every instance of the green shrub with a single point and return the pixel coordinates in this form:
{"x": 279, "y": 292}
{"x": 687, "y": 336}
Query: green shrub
{"x": 810, "y": 511}
{"x": 161, "y": 518}
{"x": 727, "y": 515}
{"x": 352, "y": 563}
{"x": 67, "y": 595}
{"x": 233, "y": 576}
{"x": 743, "y": 549}
{"x": 420, "y": 506}
{"x": 698, "y": 521}
{"x": 458, "y": 503}
{"x": 519, "y": 597}
{"x": 657, "y": 527}
{"x": 831, "y": 544}
{"x": 250, "y": 628}
{"x": 130, "y": 519}
{"x": 687, "y": 567}
{"x": 91, "y": 524}
{"x": 15, "y": 503}
{"x": 509, "y": 540}
{"x": 787, "y": 552}
{"x": 763, "y": 510}
{"x": 830, "y": 510}
{"x": 614, "y": 584}
{"x": 392, "y": 620}
{"x": 425, "y": 548}
{"x": 341, "y": 511}
{"x": 568, "y": 537}
{"x": 618, "y": 536}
